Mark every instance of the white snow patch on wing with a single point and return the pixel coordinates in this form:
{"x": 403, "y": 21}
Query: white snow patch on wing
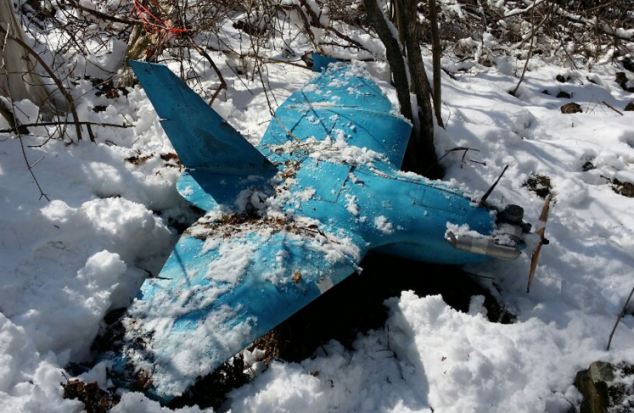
{"x": 351, "y": 204}
{"x": 233, "y": 260}
{"x": 183, "y": 356}
{"x": 463, "y": 230}
{"x": 331, "y": 149}
{"x": 337, "y": 248}
{"x": 383, "y": 224}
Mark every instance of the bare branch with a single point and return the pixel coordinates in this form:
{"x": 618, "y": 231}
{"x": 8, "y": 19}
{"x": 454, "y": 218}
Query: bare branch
{"x": 618, "y": 319}
{"x": 58, "y": 123}
{"x": 51, "y": 73}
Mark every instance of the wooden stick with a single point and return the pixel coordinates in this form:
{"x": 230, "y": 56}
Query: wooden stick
{"x": 543, "y": 218}
{"x": 612, "y": 107}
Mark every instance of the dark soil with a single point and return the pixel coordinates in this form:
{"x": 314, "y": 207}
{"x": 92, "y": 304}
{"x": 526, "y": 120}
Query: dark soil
{"x": 587, "y": 166}
{"x": 138, "y": 159}
{"x": 107, "y": 88}
{"x": 95, "y": 399}
{"x": 540, "y": 184}
{"x": 622, "y": 79}
{"x": 170, "y": 159}
{"x": 623, "y": 188}
{"x": 562, "y": 78}
{"x": 619, "y": 393}
{"x": 564, "y": 95}
{"x": 570, "y": 108}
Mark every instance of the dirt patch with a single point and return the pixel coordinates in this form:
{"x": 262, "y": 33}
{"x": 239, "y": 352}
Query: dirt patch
{"x": 212, "y": 390}
{"x": 564, "y": 95}
{"x": 138, "y": 159}
{"x": 169, "y": 159}
{"x": 570, "y": 108}
{"x": 540, "y": 185}
{"x": 623, "y": 188}
{"x": 623, "y": 81}
{"x": 230, "y": 225}
{"x": 587, "y": 166}
{"x": 563, "y": 78}
{"x": 170, "y": 156}
{"x": 107, "y": 88}
{"x": 95, "y": 400}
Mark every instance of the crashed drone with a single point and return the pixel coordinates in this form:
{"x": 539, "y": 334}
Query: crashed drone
{"x": 289, "y": 219}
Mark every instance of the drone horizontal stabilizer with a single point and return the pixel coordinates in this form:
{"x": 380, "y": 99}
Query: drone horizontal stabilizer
{"x": 224, "y": 286}
{"x": 200, "y": 136}
{"x": 341, "y": 103}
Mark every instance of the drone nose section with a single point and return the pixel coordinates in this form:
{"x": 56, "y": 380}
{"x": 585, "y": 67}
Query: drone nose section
{"x": 482, "y": 245}
{"x": 506, "y": 242}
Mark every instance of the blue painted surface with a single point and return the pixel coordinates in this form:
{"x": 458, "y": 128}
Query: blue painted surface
{"x": 355, "y": 207}
{"x": 321, "y": 62}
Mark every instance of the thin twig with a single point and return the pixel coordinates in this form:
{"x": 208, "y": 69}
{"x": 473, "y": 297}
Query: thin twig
{"x": 530, "y": 50}
{"x": 51, "y": 73}
{"x": 18, "y": 128}
{"x": 612, "y": 107}
{"x": 57, "y": 123}
{"x": 203, "y": 52}
{"x": 522, "y": 11}
{"x": 30, "y": 168}
{"x": 315, "y": 22}
{"x": 488, "y": 192}
{"x": 618, "y": 319}
{"x": 102, "y": 16}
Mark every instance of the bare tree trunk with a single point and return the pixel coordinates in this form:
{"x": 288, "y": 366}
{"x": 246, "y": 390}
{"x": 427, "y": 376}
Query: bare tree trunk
{"x": 421, "y": 156}
{"x": 436, "y": 52}
{"x": 401, "y": 25}
{"x": 18, "y": 77}
{"x": 393, "y": 53}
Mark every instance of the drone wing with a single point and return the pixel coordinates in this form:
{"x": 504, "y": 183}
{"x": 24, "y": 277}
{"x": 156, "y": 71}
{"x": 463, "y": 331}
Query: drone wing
{"x": 225, "y": 285}
{"x": 342, "y": 102}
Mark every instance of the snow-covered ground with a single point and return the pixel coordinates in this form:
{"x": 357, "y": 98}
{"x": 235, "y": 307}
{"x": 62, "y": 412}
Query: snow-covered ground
{"x": 67, "y": 261}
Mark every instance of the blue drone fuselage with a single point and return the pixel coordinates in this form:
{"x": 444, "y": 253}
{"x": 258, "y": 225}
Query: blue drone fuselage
{"x": 286, "y": 219}
{"x": 414, "y": 210}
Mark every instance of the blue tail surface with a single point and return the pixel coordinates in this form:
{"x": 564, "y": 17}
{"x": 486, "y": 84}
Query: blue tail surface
{"x": 200, "y": 136}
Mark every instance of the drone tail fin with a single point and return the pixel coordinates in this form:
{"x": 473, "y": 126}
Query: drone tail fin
{"x": 200, "y": 136}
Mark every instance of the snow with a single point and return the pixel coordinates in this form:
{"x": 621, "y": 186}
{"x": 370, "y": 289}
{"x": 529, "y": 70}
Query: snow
{"x": 331, "y": 149}
{"x": 232, "y": 262}
{"x": 382, "y": 224}
{"x": 67, "y": 262}
{"x": 138, "y": 403}
{"x": 351, "y": 204}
